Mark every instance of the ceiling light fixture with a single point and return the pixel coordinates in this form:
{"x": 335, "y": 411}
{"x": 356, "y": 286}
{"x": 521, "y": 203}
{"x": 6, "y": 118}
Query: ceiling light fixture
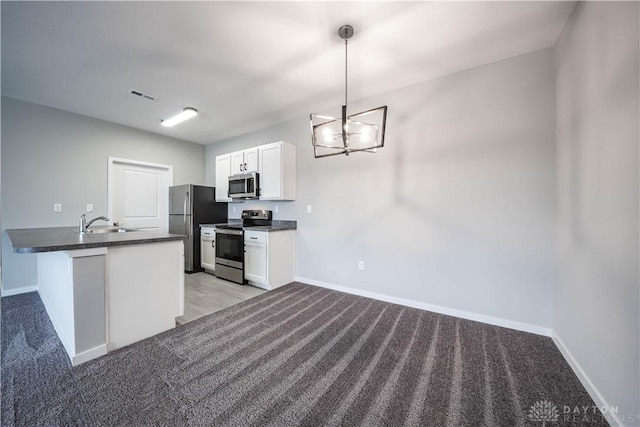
{"x": 186, "y": 114}
{"x": 363, "y": 131}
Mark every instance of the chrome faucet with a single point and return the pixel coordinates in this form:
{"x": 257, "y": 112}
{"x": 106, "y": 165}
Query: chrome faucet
{"x": 84, "y": 225}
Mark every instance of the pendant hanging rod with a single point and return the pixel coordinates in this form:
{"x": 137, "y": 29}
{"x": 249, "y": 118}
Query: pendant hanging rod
{"x": 345, "y": 71}
{"x": 345, "y": 32}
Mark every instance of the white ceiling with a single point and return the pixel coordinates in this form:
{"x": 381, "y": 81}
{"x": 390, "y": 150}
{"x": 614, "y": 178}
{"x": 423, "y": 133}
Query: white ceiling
{"x": 247, "y": 65}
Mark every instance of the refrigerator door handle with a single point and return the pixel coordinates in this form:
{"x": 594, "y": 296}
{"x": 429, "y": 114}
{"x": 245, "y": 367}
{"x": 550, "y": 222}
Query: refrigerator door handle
{"x": 184, "y": 213}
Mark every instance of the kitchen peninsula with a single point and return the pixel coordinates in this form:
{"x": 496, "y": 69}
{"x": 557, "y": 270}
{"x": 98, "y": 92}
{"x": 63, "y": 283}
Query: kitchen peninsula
{"x": 106, "y": 290}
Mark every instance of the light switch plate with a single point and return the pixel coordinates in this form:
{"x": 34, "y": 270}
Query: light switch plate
{"x": 89, "y": 207}
{"x": 275, "y": 209}
{"x": 57, "y": 207}
{"x": 308, "y": 208}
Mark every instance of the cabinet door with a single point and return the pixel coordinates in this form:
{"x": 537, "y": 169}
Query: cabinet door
{"x": 251, "y": 160}
{"x": 270, "y": 171}
{"x": 208, "y": 254}
{"x": 223, "y": 170}
{"x": 237, "y": 162}
{"x": 255, "y": 262}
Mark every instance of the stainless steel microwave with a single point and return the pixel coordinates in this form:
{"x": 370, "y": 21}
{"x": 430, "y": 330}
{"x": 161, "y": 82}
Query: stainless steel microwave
{"x": 244, "y": 186}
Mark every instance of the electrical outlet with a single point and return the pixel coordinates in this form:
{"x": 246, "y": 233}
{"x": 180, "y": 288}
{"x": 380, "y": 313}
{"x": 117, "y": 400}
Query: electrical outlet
{"x": 360, "y": 265}
{"x": 275, "y": 209}
{"x": 57, "y": 207}
{"x": 89, "y": 207}
{"x": 233, "y": 209}
{"x": 308, "y": 208}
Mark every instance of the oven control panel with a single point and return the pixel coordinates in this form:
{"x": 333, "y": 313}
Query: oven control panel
{"x": 257, "y": 214}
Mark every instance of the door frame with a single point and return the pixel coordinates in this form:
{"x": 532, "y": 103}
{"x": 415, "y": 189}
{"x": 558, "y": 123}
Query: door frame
{"x": 110, "y": 178}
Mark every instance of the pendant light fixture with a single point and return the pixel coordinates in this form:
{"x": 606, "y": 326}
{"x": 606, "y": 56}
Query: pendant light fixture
{"x": 363, "y": 131}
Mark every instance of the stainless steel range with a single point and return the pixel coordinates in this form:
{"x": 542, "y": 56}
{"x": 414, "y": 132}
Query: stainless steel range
{"x": 230, "y": 244}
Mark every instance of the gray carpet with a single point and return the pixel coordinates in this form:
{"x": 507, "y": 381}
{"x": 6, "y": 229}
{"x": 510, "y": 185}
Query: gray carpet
{"x": 300, "y": 355}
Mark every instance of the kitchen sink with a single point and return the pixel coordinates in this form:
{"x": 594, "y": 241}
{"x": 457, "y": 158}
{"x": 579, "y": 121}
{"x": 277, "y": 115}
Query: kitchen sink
{"x": 107, "y": 230}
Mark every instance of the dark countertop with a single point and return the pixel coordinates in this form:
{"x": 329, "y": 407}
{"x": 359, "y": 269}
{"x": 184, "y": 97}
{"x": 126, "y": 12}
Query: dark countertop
{"x": 277, "y": 225}
{"x": 33, "y": 240}
{"x": 270, "y": 228}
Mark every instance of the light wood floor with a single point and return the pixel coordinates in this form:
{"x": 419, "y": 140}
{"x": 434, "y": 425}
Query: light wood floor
{"x": 205, "y": 294}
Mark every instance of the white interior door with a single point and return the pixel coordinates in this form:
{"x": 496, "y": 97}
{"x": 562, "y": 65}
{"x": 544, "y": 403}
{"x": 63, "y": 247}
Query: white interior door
{"x": 139, "y": 194}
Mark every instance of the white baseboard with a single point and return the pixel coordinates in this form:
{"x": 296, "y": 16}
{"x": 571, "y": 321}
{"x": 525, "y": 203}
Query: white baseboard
{"x": 586, "y": 382}
{"x": 505, "y": 323}
{"x": 17, "y": 291}
{"x": 85, "y": 356}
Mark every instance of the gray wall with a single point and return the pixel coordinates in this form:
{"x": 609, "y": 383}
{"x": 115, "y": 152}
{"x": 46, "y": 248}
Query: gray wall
{"x": 52, "y": 156}
{"x": 456, "y": 210}
{"x": 597, "y": 294}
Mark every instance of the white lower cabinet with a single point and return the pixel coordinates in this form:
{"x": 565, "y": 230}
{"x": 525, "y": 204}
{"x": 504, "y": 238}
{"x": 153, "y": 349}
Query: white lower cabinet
{"x": 269, "y": 258}
{"x": 255, "y": 259}
{"x": 208, "y": 248}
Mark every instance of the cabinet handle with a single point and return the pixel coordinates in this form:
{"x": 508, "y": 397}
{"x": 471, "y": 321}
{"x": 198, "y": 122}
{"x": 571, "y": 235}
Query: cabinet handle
{"x": 254, "y": 238}
{"x": 245, "y": 167}
{"x": 213, "y": 244}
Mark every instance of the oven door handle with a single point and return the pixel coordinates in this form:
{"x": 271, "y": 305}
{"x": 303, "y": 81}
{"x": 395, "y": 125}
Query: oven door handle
{"x": 229, "y": 231}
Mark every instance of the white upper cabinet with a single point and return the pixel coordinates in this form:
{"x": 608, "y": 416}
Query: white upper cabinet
{"x": 276, "y": 163}
{"x": 277, "y": 167}
{"x": 244, "y": 161}
{"x": 223, "y": 170}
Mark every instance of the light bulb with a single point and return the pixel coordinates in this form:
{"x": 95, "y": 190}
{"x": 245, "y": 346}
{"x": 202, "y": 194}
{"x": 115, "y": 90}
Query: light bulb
{"x": 328, "y": 136}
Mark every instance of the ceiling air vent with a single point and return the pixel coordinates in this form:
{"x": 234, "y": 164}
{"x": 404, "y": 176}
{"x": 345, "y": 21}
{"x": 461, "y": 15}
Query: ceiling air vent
{"x": 142, "y": 95}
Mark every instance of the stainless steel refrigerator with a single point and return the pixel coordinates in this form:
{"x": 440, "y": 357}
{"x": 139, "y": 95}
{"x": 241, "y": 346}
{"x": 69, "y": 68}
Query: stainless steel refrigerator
{"x": 189, "y": 206}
